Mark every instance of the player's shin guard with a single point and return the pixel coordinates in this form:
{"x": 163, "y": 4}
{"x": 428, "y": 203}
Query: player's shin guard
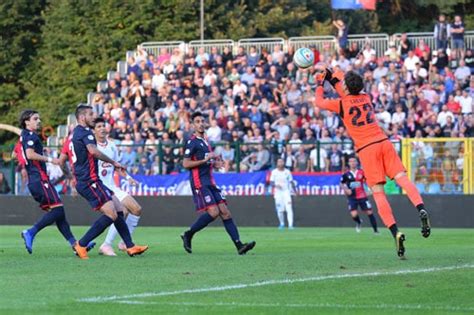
{"x": 411, "y": 190}
{"x": 232, "y": 230}
{"x": 63, "y": 226}
{"x": 47, "y": 219}
{"x": 122, "y": 229}
{"x": 384, "y": 209}
{"x": 95, "y": 230}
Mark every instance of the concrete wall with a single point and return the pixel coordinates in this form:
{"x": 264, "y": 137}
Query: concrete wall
{"x": 331, "y": 211}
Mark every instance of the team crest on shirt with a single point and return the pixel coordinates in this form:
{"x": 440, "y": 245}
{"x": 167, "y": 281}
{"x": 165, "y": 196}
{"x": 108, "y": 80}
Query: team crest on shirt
{"x": 104, "y": 173}
{"x": 30, "y": 142}
{"x": 187, "y": 151}
{"x": 90, "y": 137}
{"x": 207, "y": 199}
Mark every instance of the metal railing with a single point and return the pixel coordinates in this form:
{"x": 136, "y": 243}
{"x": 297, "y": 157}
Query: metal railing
{"x": 320, "y": 42}
{"x": 220, "y": 44}
{"x": 155, "y": 47}
{"x": 380, "y": 42}
{"x": 260, "y": 43}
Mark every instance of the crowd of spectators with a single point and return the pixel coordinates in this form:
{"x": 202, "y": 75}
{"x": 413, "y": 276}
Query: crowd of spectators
{"x": 260, "y": 107}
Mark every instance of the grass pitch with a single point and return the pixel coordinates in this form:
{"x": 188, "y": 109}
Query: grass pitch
{"x": 304, "y": 271}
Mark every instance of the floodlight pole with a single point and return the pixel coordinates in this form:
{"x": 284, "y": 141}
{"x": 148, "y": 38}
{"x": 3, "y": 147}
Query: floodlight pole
{"x": 202, "y": 20}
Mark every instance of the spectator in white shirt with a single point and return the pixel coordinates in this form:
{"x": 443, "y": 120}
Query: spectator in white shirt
{"x": 398, "y": 117}
{"x": 214, "y": 132}
{"x": 466, "y": 103}
{"x": 443, "y": 116}
{"x": 383, "y": 117}
{"x": 368, "y": 53}
{"x": 410, "y": 61}
{"x": 158, "y": 79}
{"x": 238, "y": 88}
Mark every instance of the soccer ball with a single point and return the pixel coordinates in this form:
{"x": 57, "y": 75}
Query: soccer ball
{"x": 303, "y": 58}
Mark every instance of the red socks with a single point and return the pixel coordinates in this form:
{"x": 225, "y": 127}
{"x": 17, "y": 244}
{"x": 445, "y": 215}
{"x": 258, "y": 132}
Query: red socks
{"x": 410, "y": 189}
{"x": 384, "y": 209}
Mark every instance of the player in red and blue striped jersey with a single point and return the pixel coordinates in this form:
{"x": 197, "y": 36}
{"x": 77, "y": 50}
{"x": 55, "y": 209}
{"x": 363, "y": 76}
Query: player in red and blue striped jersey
{"x": 200, "y": 160}
{"x": 85, "y": 155}
{"x": 352, "y": 182}
{"x": 30, "y": 151}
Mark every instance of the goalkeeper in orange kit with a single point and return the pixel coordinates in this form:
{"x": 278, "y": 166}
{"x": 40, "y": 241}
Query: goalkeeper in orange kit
{"x": 377, "y": 154}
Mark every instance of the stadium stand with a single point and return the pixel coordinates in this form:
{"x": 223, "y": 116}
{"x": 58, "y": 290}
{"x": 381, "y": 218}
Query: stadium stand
{"x": 252, "y": 94}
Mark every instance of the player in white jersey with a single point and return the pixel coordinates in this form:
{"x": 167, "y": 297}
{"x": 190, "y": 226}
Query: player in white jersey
{"x": 282, "y": 183}
{"x": 106, "y": 173}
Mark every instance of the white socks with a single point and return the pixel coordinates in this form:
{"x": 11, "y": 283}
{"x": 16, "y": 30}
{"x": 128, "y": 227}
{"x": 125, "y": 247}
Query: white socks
{"x": 281, "y": 218}
{"x": 289, "y": 216}
{"x": 131, "y": 221}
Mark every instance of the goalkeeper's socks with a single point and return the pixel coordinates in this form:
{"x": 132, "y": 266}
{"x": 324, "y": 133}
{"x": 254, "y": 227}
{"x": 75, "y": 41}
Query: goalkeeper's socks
{"x": 411, "y": 190}
{"x": 385, "y": 211}
{"x": 394, "y": 230}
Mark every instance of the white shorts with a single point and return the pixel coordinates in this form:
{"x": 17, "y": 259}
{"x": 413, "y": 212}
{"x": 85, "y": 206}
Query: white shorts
{"x": 119, "y": 193}
{"x": 283, "y": 201}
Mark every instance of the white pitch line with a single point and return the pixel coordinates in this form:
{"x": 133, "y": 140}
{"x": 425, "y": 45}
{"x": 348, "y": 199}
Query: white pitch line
{"x": 100, "y": 299}
{"x": 320, "y": 305}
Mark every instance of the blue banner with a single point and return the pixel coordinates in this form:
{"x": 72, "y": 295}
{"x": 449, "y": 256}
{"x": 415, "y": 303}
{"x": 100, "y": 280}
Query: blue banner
{"x": 353, "y": 4}
{"x": 232, "y": 184}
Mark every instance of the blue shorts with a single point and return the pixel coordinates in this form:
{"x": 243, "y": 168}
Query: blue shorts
{"x": 354, "y": 204}
{"x": 206, "y": 197}
{"x": 458, "y": 43}
{"x": 45, "y": 194}
{"x": 96, "y": 193}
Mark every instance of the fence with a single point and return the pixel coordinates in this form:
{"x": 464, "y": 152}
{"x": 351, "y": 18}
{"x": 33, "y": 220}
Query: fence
{"x": 440, "y": 165}
{"x": 380, "y": 42}
{"x": 220, "y": 44}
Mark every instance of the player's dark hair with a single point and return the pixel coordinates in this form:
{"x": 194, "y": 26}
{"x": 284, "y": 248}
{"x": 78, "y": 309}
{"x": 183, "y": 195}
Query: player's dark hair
{"x": 354, "y": 82}
{"x": 81, "y": 109}
{"x": 196, "y": 114}
{"x": 26, "y": 115}
{"x": 99, "y": 120}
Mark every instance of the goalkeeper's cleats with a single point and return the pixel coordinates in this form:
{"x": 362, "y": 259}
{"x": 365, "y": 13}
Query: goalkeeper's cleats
{"x": 399, "y": 240}
{"x": 425, "y": 223}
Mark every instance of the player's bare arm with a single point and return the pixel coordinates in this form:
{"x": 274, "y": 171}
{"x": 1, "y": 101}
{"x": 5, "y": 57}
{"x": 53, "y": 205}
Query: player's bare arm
{"x": 92, "y": 148}
{"x": 188, "y": 163}
{"x": 32, "y": 155}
